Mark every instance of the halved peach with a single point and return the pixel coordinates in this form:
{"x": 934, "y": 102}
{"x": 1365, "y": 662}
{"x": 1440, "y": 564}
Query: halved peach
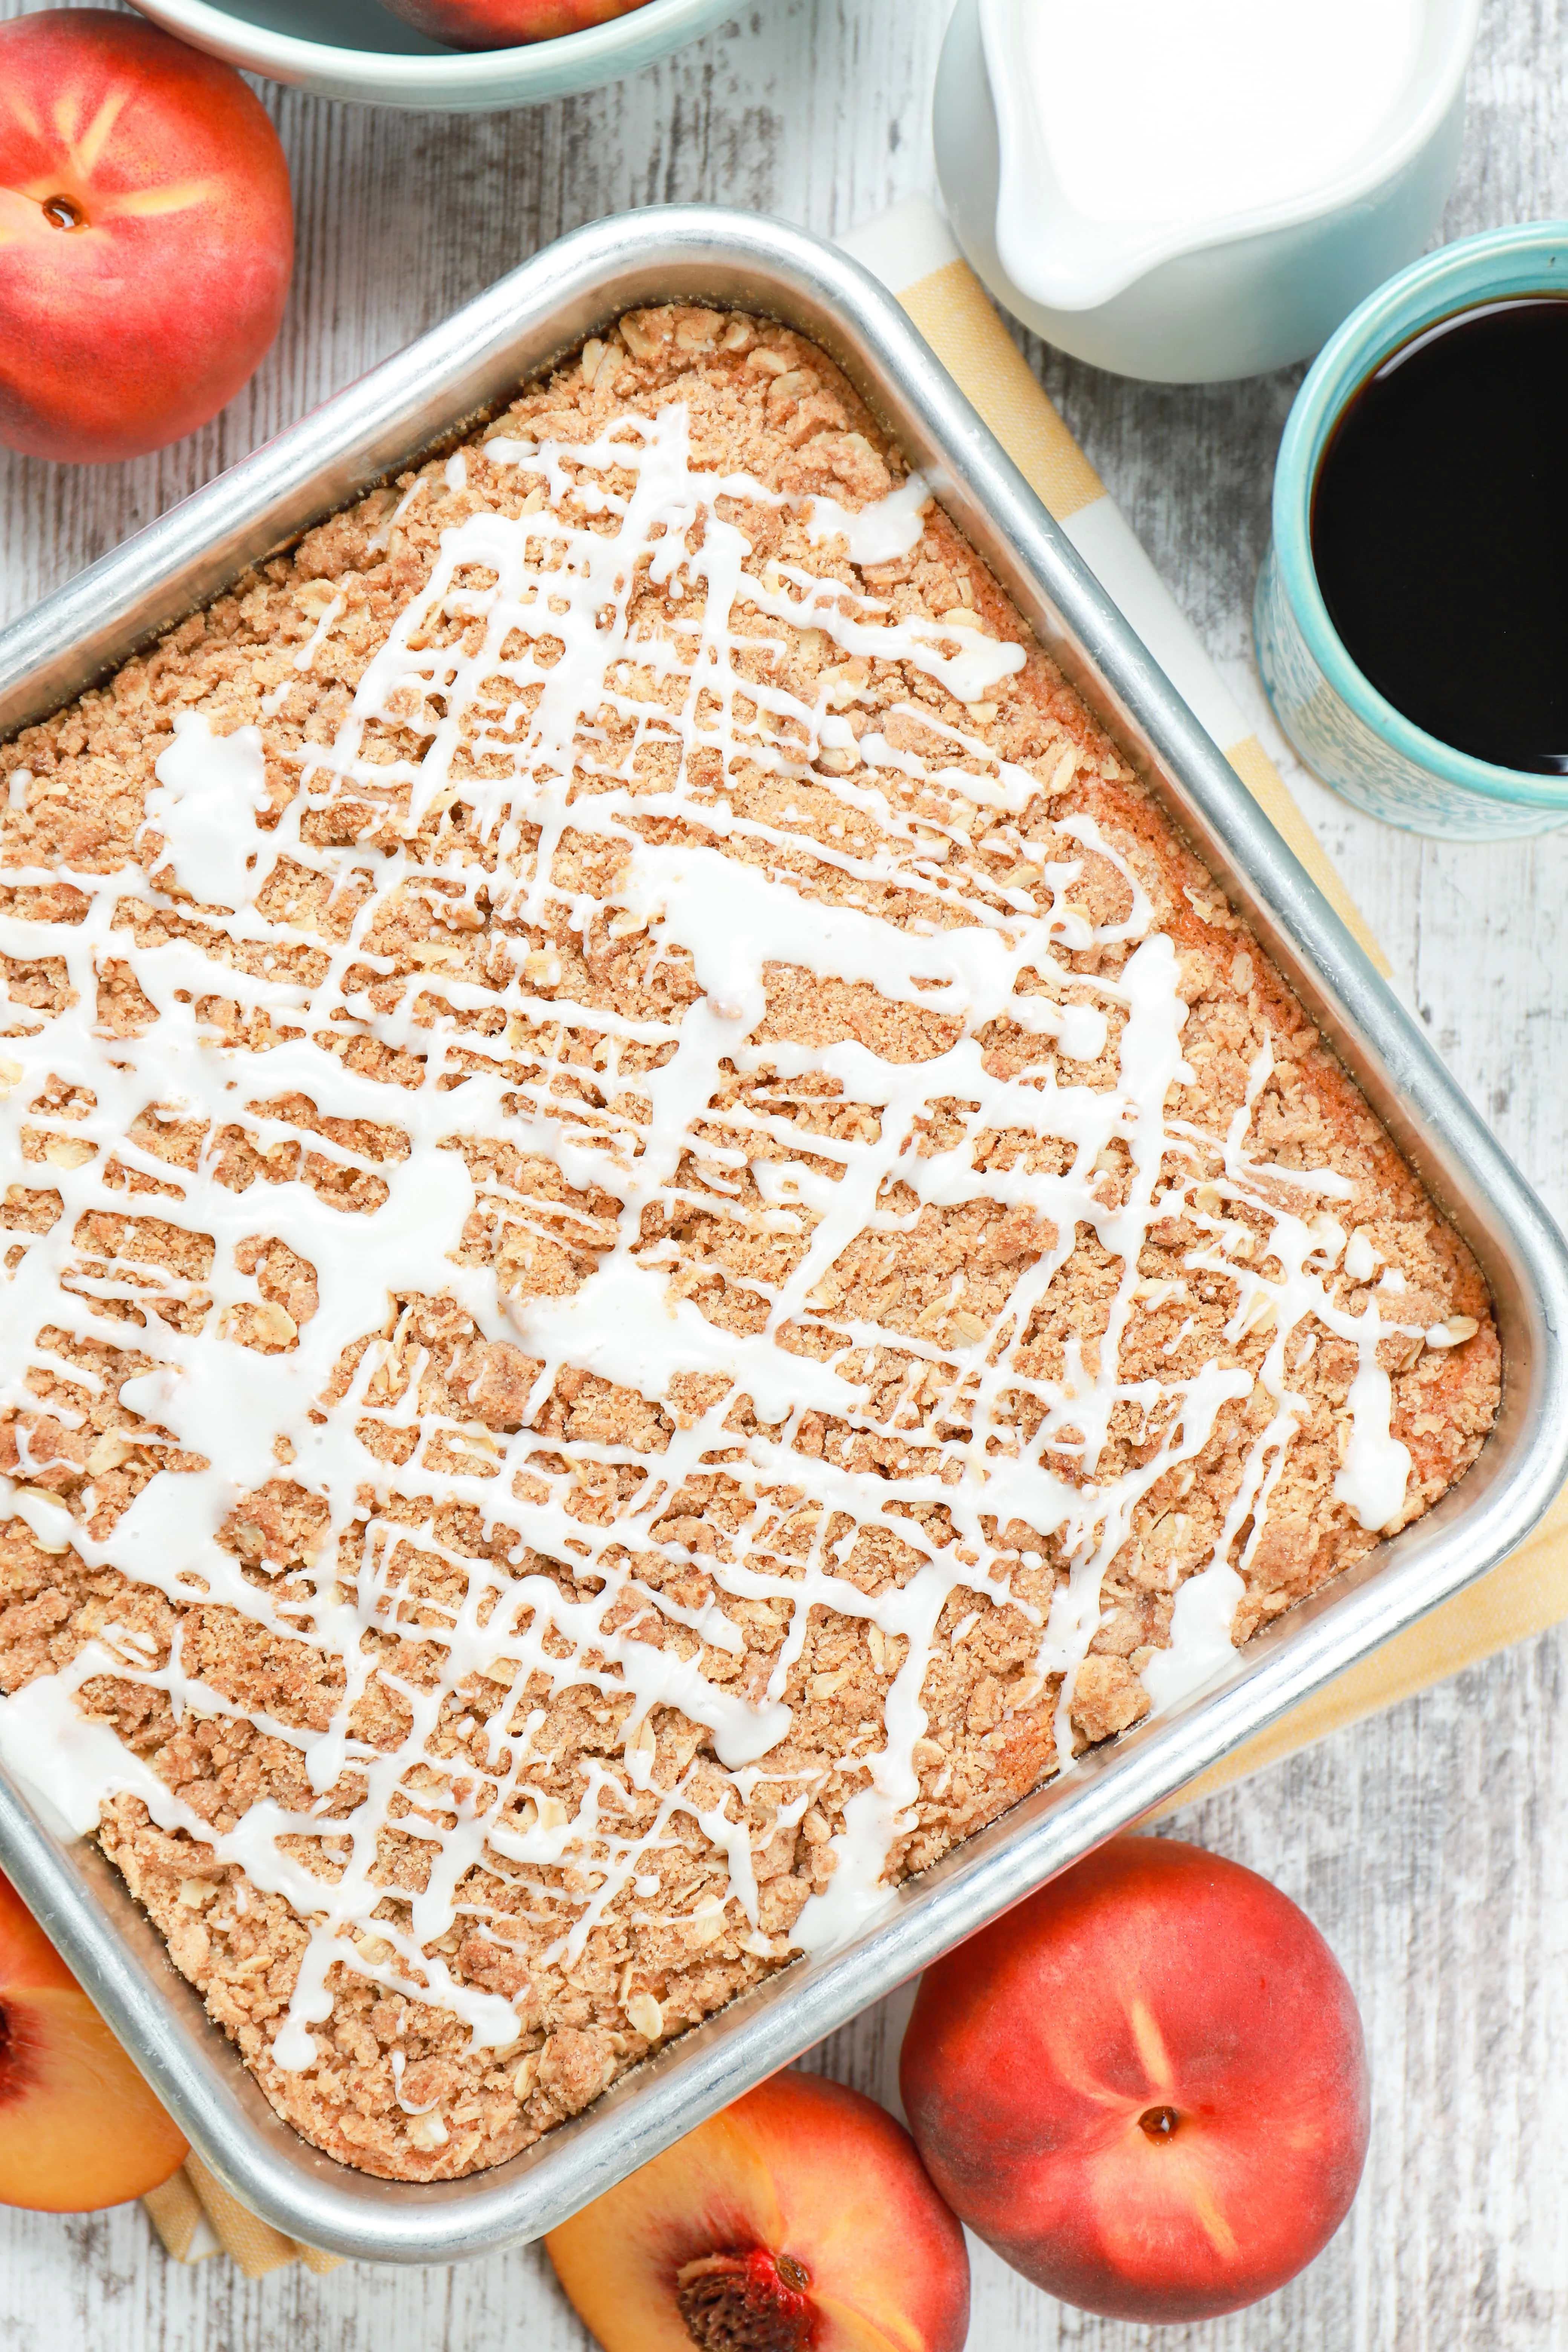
{"x": 801, "y": 2217}
{"x": 79, "y": 2127}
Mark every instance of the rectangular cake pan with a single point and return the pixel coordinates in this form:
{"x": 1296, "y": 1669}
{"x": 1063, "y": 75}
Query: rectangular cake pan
{"x": 430, "y": 394}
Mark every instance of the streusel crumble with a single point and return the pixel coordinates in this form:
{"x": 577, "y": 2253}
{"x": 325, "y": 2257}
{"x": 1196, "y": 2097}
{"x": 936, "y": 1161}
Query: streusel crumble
{"x": 660, "y": 1241}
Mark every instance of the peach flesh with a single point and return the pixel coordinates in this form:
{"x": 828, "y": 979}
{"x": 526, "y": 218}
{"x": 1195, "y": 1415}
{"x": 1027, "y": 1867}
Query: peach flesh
{"x": 799, "y": 2220}
{"x": 146, "y": 235}
{"x": 1146, "y": 2087}
{"x": 506, "y": 24}
{"x": 79, "y": 2127}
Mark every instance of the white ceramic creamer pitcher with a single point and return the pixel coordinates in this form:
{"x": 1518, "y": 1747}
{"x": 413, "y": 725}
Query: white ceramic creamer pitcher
{"x": 1226, "y": 238}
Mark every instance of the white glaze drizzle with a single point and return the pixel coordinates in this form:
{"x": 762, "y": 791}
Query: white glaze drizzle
{"x": 549, "y": 636}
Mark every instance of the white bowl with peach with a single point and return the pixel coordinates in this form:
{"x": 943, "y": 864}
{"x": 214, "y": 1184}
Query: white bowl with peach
{"x": 459, "y": 56}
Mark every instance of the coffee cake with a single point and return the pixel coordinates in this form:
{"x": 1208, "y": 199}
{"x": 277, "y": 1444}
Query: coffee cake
{"x": 661, "y": 1242}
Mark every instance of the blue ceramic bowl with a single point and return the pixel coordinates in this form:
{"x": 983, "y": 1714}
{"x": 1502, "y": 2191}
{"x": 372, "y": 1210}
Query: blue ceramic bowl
{"x": 1343, "y": 729}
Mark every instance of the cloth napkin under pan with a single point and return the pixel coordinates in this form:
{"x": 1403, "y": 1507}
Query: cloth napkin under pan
{"x": 913, "y": 251}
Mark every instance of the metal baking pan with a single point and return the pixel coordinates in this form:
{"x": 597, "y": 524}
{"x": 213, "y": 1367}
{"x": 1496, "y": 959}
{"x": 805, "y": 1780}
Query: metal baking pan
{"x": 402, "y": 410}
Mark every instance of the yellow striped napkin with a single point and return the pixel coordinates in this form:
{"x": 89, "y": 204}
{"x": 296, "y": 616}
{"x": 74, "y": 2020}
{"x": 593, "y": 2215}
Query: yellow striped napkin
{"x": 196, "y": 2216}
{"x": 913, "y": 251}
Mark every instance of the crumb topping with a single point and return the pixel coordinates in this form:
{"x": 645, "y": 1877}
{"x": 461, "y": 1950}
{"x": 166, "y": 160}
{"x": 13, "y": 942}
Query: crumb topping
{"x": 661, "y": 1242}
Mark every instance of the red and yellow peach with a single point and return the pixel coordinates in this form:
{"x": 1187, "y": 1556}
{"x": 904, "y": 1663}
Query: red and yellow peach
{"x": 506, "y": 24}
{"x": 1146, "y": 2087}
{"x": 146, "y": 235}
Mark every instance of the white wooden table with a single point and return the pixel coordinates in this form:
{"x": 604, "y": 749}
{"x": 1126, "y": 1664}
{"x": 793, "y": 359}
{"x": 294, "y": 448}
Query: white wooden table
{"x": 1430, "y": 1845}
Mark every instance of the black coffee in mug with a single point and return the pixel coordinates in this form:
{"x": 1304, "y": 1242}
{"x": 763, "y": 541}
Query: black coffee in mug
{"x": 1440, "y": 531}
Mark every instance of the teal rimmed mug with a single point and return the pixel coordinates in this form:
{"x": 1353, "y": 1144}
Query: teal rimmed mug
{"x": 1343, "y": 728}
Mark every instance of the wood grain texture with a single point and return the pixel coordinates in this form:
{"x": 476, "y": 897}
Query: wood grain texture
{"x": 1428, "y": 1845}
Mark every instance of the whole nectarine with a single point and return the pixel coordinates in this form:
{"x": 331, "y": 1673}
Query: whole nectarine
{"x": 79, "y": 2127}
{"x": 1146, "y": 2087}
{"x": 800, "y": 2217}
{"x": 506, "y": 24}
{"x": 146, "y": 235}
